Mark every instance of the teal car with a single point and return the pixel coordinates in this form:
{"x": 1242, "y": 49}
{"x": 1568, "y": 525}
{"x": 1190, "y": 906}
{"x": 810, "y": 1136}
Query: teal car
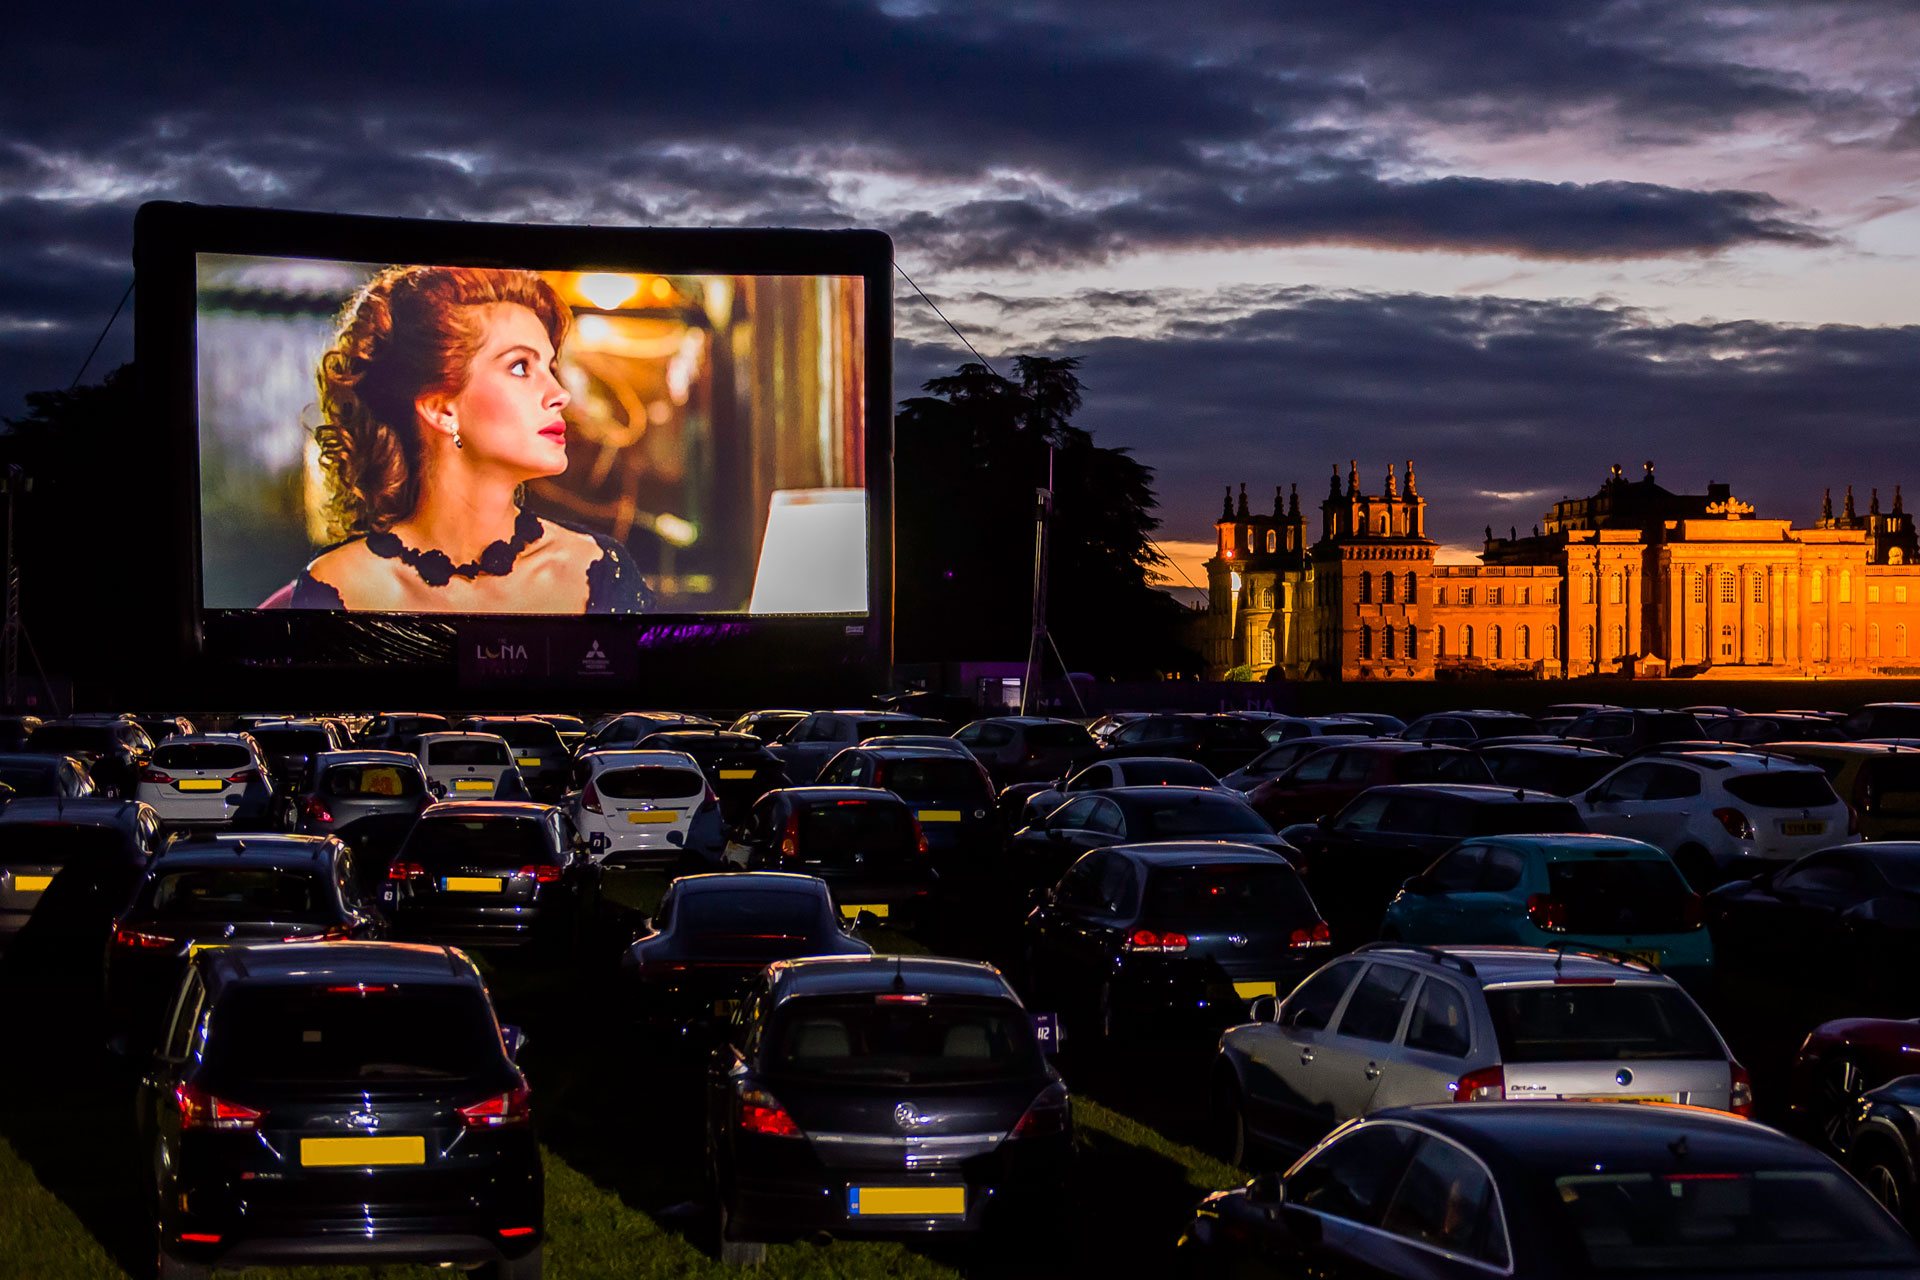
{"x": 1604, "y": 892}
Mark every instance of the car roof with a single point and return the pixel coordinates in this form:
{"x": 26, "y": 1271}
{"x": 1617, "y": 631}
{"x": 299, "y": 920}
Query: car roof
{"x": 226, "y": 849}
{"x": 1187, "y": 853}
{"x": 641, "y": 759}
{"x": 88, "y": 811}
{"x": 1478, "y": 792}
{"x": 238, "y": 739}
{"x": 1021, "y": 720}
{"x": 1387, "y": 746}
{"x": 309, "y": 963}
{"x": 1584, "y": 750}
{"x": 1731, "y": 760}
{"x": 486, "y": 809}
{"x": 35, "y": 757}
{"x": 291, "y": 722}
{"x": 912, "y": 751}
{"x": 704, "y": 737}
{"x": 1829, "y": 748}
{"x": 860, "y": 975}
{"x": 1497, "y": 965}
{"x": 355, "y": 755}
{"x": 1574, "y": 844}
{"x": 1570, "y": 1137}
{"x": 1158, "y": 793}
{"x": 454, "y": 735}
{"x": 751, "y": 882}
{"x": 821, "y": 794}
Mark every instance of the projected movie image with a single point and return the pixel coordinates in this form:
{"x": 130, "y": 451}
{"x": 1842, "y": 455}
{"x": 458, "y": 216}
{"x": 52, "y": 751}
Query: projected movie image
{"x": 394, "y": 438}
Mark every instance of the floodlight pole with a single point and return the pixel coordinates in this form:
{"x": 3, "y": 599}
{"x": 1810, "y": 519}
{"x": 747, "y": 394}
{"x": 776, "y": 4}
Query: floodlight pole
{"x": 1038, "y": 638}
{"x": 10, "y": 625}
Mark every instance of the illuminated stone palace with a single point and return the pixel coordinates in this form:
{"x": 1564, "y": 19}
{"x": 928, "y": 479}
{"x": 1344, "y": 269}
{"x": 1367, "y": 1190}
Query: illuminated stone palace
{"x": 1634, "y": 580}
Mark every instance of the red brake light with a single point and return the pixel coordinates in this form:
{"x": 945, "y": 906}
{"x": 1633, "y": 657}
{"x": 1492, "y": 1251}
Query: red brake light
{"x": 901, "y": 998}
{"x": 920, "y": 837}
{"x": 1489, "y": 1084}
{"x": 201, "y": 1110}
{"x": 1740, "y": 1096}
{"x": 125, "y": 937}
{"x": 1047, "y": 1115}
{"x": 1148, "y": 940}
{"x": 200, "y": 1237}
{"x": 246, "y": 777}
{"x": 1318, "y": 936}
{"x": 151, "y": 774}
{"x": 761, "y": 1113}
{"x": 1547, "y": 912}
{"x": 590, "y": 799}
{"x": 514, "y": 1107}
{"x": 359, "y": 989}
{"x": 405, "y": 870}
{"x": 542, "y": 872}
{"x": 1735, "y": 822}
{"x": 516, "y": 1231}
{"x": 790, "y": 838}
{"x": 317, "y": 809}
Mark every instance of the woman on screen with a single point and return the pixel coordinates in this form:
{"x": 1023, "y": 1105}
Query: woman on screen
{"x": 439, "y": 398}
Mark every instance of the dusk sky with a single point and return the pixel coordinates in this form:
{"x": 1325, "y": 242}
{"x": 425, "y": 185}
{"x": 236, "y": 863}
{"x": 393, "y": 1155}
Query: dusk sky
{"x": 1514, "y": 240}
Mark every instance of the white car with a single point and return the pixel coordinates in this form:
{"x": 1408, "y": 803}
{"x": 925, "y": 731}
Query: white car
{"x": 470, "y": 766}
{"x": 1720, "y": 814}
{"x": 213, "y": 780}
{"x": 645, "y": 808}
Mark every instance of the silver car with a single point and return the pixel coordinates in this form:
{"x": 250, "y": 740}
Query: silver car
{"x": 369, "y": 799}
{"x": 1394, "y": 1025}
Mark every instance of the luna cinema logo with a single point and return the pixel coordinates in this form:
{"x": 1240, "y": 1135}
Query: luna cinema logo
{"x": 506, "y": 652}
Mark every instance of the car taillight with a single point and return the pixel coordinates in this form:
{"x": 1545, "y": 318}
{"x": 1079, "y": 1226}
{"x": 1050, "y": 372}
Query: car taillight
{"x": 710, "y": 801}
{"x": 1047, "y": 1115}
{"x": 1547, "y": 912}
{"x": 542, "y": 873}
{"x": 1149, "y": 941}
{"x": 1489, "y": 1084}
{"x": 245, "y": 778}
{"x": 317, "y": 809}
{"x": 333, "y": 934}
{"x": 590, "y": 799}
{"x": 151, "y": 774}
{"x": 920, "y": 837}
{"x": 1735, "y": 822}
{"x": 1318, "y": 936}
{"x": 790, "y": 838}
{"x": 201, "y": 1110}
{"x": 125, "y": 937}
{"x": 1740, "y": 1095}
{"x": 1693, "y": 911}
{"x": 512, "y": 1107}
{"x": 1853, "y": 821}
{"x": 761, "y": 1113}
{"x": 405, "y": 870}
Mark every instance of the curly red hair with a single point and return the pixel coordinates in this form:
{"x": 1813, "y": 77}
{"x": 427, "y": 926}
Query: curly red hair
{"x": 410, "y": 332}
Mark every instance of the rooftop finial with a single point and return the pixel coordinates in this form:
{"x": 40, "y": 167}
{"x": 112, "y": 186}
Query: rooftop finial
{"x": 1226, "y": 507}
{"x": 1410, "y": 488}
{"x": 1873, "y": 502}
{"x": 1649, "y": 465}
{"x": 1333, "y": 482}
{"x": 1896, "y": 500}
{"x": 1392, "y": 490}
{"x": 1848, "y": 512}
{"x": 1826, "y": 506}
{"x": 1243, "y": 513}
{"x": 1353, "y": 477}
{"x": 1293, "y": 501}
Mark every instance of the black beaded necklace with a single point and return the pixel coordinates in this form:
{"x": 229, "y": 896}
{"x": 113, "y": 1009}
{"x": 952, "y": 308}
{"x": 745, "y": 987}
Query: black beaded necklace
{"x": 437, "y": 569}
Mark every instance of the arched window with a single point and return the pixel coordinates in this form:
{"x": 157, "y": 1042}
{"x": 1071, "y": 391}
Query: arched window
{"x": 1366, "y": 588}
{"x": 1266, "y": 646}
{"x": 1873, "y": 639}
{"x": 1387, "y": 637}
{"x": 1586, "y": 643}
{"x": 1439, "y": 642}
{"x": 1759, "y": 588}
{"x": 1699, "y": 588}
{"x": 1266, "y": 597}
{"x": 1846, "y": 589}
{"x": 1273, "y": 541}
{"x": 1846, "y": 636}
{"x": 1586, "y": 588}
{"x": 1366, "y": 642}
{"x": 1817, "y": 642}
{"x": 1726, "y": 640}
{"x": 1466, "y": 642}
{"x": 1412, "y": 584}
{"x": 1493, "y": 642}
{"x": 1413, "y": 643}
{"x": 1818, "y": 589}
{"x": 1614, "y": 595}
{"x": 1619, "y": 641}
{"x": 1383, "y": 526}
{"x": 1899, "y": 639}
{"x": 1729, "y": 589}
{"x": 1757, "y": 645}
{"x": 1553, "y": 643}
{"x": 1386, "y": 588}
{"x": 1523, "y": 645}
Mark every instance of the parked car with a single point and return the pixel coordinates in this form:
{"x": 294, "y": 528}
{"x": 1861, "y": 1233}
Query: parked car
{"x": 112, "y": 749}
{"x": 1357, "y": 859}
{"x": 768, "y": 726}
{"x": 1884, "y": 720}
{"x": 45, "y": 774}
{"x": 711, "y": 936}
{"x": 484, "y": 873}
{"x": 1550, "y": 1190}
{"x": 1562, "y": 768}
{"x": 1394, "y": 1025}
{"x": 396, "y": 730}
{"x": 96, "y": 850}
{"x": 1025, "y": 803}
{"x": 1326, "y": 780}
{"x": 866, "y": 844}
{"x": 1278, "y": 729}
{"x": 1222, "y": 743}
{"x": 289, "y": 746}
{"x": 1598, "y": 893}
{"x": 572, "y": 729}
{"x": 1040, "y": 854}
{"x": 1149, "y": 933}
{"x": 341, "y": 1102}
{"x": 822, "y": 735}
{"x": 628, "y": 728}
{"x": 160, "y": 728}
{"x": 646, "y": 809}
{"x": 1625, "y": 730}
{"x": 1722, "y": 815}
{"x": 1881, "y": 784}
{"x": 1837, "y": 1064}
{"x": 883, "y": 1095}
{"x": 538, "y": 753}
{"x": 1385, "y": 726}
{"x": 214, "y": 781}
{"x": 1760, "y": 730}
{"x": 1282, "y": 756}
{"x": 1852, "y": 912}
{"x": 1461, "y": 728}
{"x": 225, "y": 889}
{"x": 470, "y": 766}
{"x": 1027, "y": 748}
{"x": 951, "y": 796}
{"x": 15, "y": 730}
{"x": 369, "y": 799}
{"x": 738, "y": 766}
{"x": 1883, "y": 1144}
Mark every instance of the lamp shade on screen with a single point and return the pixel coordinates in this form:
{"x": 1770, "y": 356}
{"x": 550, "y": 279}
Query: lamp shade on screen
{"x": 814, "y": 556}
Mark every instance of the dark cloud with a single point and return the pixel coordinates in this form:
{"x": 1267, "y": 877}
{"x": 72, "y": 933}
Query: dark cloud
{"x": 1491, "y": 396}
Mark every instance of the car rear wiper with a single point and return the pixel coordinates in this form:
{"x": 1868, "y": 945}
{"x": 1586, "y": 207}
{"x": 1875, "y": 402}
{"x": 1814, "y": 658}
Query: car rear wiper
{"x": 404, "y": 1070}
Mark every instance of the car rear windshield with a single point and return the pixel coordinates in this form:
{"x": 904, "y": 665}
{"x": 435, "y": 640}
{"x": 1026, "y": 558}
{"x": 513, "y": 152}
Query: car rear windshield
{"x": 1716, "y": 1219}
{"x": 1784, "y": 789}
{"x": 864, "y": 729}
{"x": 1620, "y": 895}
{"x": 1216, "y": 893}
{"x": 536, "y": 734}
{"x": 71, "y": 737}
{"x": 904, "y": 1038}
{"x": 932, "y": 779}
{"x": 1523, "y": 818}
{"x": 1892, "y": 774}
{"x": 1165, "y": 773}
{"x": 1560, "y": 775}
{"x": 1501, "y": 726}
{"x": 218, "y": 756}
{"x": 1232, "y": 733}
{"x": 292, "y": 742}
{"x": 1440, "y": 766}
{"x": 838, "y": 829}
{"x": 478, "y": 842}
{"x": 54, "y": 844}
{"x": 656, "y": 783}
{"x": 466, "y": 752}
{"x": 1623, "y": 1022}
{"x": 1671, "y": 726}
{"x": 386, "y": 1033}
{"x": 237, "y": 893}
{"x": 1195, "y": 816}
{"x": 30, "y": 779}
{"x": 372, "y": 782}
{"x": 745, "y": 912}
{"x": 1055, "y": 736}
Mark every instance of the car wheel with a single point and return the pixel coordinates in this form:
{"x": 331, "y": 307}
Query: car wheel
{"x": 735, "y": 1252}
{"x": 1229, "y": 1121}
{"x": 1836, "y": 1097}
{"x": 524, "y": 1268}
{"x": 1882, "y": 1172}
{"x": 168, "y": 1267}
{"x": 1697, "y": 866}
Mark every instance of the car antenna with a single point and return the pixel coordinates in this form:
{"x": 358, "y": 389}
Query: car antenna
{"x": 899, "y": 978}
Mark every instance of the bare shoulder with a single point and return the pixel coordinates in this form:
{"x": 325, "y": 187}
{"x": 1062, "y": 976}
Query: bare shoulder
{"x": 566, "y": 549}
{"x": 363, "y": 579}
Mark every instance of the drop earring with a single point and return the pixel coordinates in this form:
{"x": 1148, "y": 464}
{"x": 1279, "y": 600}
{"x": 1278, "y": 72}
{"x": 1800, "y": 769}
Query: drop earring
{"x": 458, "y": 443}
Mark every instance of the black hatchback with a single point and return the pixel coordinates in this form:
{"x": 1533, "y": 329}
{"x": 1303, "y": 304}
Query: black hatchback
{"x": 866, "y": 844}
{"x": 340, "y": 1103}
{"x": 738, "y": 766}
{"x": 484, "y": 873}
{"x": 883, "y": 1096}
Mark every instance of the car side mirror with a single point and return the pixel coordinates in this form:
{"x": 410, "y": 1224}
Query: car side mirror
{"x": 1263, "y": 1008}
{"x": 1268, "y": 1190}
{"x": 515, "y": 1040}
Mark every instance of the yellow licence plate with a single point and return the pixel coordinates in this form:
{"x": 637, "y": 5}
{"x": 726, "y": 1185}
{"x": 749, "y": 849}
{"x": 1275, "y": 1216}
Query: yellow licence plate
{"x": 1803, "y": 828}
{"x": 473, "y": 884}
{"x": 526, "y": 762}
{"x": 31, "y": 884}
{"x": 1249, "y": 990}
{"x": 201, "y": 784}
{"x": 1619, "y": 1097}
{"x": 939, "y": 815}
{"x": 852, "y": 909}
{"x": 907, "y": 1202}
{"x": 1649, "y": 958}
{"x": 361, "y": 1153}
{"x": 652, "y": 815}
{"x": 473, "y": 784}
{"x": 735, "y": 775}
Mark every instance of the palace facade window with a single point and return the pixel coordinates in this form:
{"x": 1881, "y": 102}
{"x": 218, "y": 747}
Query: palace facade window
{"x": 1729, "y": 589}
{"x": 1817, "y": 588}
{"x": 1413, "y": 643}
{"x": 1522, "y": 645}
{"x": 1614, "y": 593}
{"x": 1466, "y": 642}
{"x": 1386, "y": 588}
{"x": 1412, "y": 584}
{"x": 1439, "y": 642}
{"x": 1726, "y": 640}
{"x": 1493, "y": 643}
{"x": 1266, "y": 646}
{"x": 1366, "y": 642}
{"x": 1699, "y": 588}
{"x": 1466, "y": 595}
{"x": 1817, "y": 642}
{"x": 1759, "y": 588}
{"x": 1899, "y": 593}
{"x": 1619, "y": 642}
{"x": 1553, "y": 643}
{"x": 1899, "y": 639}
{"x": 1366, "y": 588}
{"x": 1586, "y": 588}
{"x": 1873, "y": 593}
{"x": 1266, "y": 597}
{"x": 1586, "y": 643}
{"x": 1846, "y": 587}
{"x": 1273, "y": 541}
{"x": 1493, "y": 595}
{"x": 1439, "y": 594}
{"x": 1873, "y": 639}
{"x": 1846, "y": 642}
{"x": 1387, "y": 638}
{"x": 1526, "y": 595}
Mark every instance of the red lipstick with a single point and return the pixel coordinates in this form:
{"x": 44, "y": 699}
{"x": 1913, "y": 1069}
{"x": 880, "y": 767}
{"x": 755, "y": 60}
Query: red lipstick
{"x": 555, "y": 430}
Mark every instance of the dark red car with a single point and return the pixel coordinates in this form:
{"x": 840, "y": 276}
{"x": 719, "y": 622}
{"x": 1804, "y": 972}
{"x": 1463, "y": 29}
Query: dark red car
{"x": 1840, "y": 1061}
{"x": 1326, "y": 780}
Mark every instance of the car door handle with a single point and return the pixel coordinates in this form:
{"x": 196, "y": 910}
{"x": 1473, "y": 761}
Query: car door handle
{"x": 1373, "y": 1071}
{"x": 1306, "y": 1055}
